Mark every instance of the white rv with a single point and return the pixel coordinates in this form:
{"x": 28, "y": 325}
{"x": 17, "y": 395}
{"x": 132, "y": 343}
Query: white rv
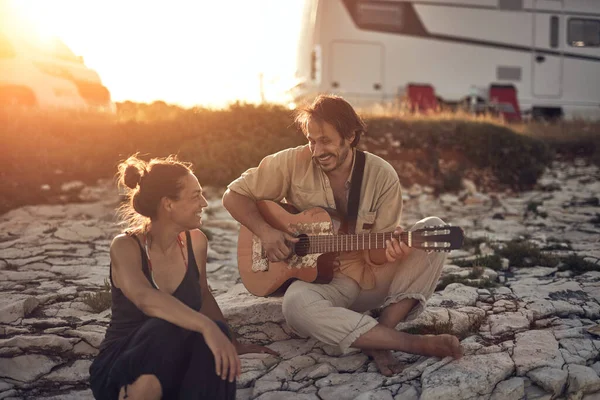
{"x": 368, "y": 51}
{"x": 43, "y": 73}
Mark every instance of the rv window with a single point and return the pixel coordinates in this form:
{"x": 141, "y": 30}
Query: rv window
{"x": 584, "y": 32}
{"x": 379, "y": 14}
{"x": 385, "y": 16}
{"x": 554, "y": 31}
{"x": 510, "y": 4}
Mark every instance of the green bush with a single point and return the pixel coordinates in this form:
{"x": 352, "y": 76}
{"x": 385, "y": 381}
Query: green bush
{"x": 577, "y": 264}
{"x": 493, "y": 261}
{"x": 40, "y": 149}
{"x": 100, "y": 300}
{"x": 473, "y": 243}
{"x": 523, "y": 253}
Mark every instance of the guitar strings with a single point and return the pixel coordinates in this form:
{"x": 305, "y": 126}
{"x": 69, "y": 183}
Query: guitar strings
{"x": 346, "y": 241}
{"x": 327, "y": 243}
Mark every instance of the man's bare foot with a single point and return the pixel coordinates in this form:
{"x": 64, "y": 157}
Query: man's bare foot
{"x": 441, "y": 346}
{"x": 385, "y": 362}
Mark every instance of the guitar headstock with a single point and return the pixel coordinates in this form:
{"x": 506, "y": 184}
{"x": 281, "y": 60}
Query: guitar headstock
{"x": 437, "y": 238}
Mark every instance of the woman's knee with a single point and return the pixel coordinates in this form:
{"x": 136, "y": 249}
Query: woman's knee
{"x": 158, "y": 332}
{"x": 144, "y": 387}
{"x": 196, "y": 343}
{"x": 157, "y": 325}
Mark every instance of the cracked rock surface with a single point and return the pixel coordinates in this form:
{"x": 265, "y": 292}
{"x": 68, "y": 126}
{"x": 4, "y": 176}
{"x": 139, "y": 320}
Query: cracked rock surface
{"x": 531, "y": 334}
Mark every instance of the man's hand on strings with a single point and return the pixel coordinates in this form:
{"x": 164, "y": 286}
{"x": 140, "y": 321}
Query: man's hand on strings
{"x": 395, "y": 249}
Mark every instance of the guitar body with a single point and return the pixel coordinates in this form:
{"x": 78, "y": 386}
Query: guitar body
{"x": 319, "y": 243}
{"x": 263, "y": 278}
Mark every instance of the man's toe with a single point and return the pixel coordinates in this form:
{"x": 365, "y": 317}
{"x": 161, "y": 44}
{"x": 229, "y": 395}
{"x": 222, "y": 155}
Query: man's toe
{"x": 398, "y": 367}
{"x": 385, "y": 370}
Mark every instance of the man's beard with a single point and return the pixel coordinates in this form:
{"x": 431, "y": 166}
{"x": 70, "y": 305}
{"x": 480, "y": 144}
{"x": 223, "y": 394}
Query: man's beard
{"x": 333, "y": 162}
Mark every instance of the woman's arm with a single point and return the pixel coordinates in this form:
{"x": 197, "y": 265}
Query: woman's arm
{"x": 210, "y": 307}
{"x": 126, "y": 264}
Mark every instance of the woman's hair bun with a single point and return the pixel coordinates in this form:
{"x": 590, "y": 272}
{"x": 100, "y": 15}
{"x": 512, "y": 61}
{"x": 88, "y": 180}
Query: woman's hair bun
{"x": 132, "y": 176}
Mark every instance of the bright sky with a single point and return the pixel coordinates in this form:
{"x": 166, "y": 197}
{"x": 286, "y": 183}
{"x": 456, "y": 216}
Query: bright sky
{"x": 185, "y": 52}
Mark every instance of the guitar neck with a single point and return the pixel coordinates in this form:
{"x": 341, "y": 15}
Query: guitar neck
{"x": 366, "y": 241}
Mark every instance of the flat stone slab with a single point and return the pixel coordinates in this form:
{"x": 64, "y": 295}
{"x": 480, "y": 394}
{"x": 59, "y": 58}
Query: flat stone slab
{"x": 531, "y": 333}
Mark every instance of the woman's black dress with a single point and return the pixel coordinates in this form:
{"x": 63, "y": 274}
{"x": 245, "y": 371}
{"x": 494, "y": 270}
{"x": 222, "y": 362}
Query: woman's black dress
{"x": 136, "y": 344}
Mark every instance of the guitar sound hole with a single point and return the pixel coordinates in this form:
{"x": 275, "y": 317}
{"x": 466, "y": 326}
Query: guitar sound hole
{"x": 302, "y": 246}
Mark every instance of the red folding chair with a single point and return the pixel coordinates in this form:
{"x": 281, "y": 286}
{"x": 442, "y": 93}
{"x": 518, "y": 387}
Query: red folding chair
{"x": 504, "y": 99}
{"x": 421, "y": 98}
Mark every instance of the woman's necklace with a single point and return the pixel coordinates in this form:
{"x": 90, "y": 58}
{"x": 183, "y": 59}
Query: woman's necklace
{"x": 146, "y": 247}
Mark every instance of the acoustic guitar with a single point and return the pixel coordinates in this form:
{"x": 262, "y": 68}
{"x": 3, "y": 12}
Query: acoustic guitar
{"x": 311, "y": 259}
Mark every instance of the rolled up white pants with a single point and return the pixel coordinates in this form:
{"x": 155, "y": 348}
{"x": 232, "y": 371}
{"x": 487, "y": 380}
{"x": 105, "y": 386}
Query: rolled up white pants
{"x": 333, "y": 312}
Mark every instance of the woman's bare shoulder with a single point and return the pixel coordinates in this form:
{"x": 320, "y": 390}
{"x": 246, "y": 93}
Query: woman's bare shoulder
{"x": 199, "y": 239}
{"x": 122, "y": 245}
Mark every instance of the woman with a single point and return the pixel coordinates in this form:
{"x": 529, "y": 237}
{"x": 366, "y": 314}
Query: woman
{"x": 167, "y": 336}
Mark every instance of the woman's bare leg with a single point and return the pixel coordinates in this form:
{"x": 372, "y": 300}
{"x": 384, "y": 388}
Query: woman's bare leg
{"x": 145, "y": 387}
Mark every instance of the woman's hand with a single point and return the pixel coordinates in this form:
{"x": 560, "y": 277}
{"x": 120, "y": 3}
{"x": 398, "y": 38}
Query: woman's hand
{"x": 227, "y": 362}
{"x": 243, "y": 348}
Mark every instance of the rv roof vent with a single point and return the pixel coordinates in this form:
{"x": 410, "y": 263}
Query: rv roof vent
{"x": 504, "y": 73}
{"x": 510, "y": 4}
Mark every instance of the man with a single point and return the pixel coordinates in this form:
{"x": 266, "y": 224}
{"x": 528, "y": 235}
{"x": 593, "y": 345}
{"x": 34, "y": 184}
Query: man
{"x": 398, "y": 279}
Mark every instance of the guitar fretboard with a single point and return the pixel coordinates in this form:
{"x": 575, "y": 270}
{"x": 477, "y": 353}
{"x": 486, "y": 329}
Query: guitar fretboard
{"x": 335, "y": 243}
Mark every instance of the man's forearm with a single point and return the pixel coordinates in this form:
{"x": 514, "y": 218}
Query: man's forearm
{"x": 243, "y": 209}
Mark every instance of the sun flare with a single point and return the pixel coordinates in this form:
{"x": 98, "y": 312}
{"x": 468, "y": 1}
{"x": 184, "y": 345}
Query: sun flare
{"x": 183, "y": 52}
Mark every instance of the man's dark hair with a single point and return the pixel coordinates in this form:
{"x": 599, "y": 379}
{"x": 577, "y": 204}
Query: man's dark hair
{"x": 335, "y": 111}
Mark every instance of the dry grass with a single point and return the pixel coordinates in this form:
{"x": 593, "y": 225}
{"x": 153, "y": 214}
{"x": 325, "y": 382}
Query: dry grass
{"x": 100, "y": 300}
{"x": 40, "y": 149}
{"x": 569, "y": 138}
